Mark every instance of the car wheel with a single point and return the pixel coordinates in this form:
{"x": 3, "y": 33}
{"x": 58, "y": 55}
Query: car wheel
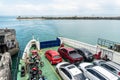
{"x": 45, "y": 56}
{"x": 57, "y": 71}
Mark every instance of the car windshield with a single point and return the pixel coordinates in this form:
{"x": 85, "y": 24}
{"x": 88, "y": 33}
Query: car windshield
{"x": 70, "y": 67}
{"x": 86, "y": 51}
{"x": 80, "y": 77}
{"x": 56, "y": 57}
{"x": 89, "y": 66}
{"x": 74, "y": 54}
{"x": 65, "y": 64}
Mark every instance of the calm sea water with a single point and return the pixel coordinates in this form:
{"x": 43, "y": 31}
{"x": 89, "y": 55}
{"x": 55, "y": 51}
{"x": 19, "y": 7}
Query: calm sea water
{"x": 83, "y": 30}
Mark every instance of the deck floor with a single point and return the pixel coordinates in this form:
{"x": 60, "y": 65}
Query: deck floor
{"x": 48, "y": 70}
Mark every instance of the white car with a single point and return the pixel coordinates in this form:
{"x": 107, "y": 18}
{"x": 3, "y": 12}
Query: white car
{"x": 69, "y": 71}
{"x": 109, "y": 65}
{"x": 96, "y": 72}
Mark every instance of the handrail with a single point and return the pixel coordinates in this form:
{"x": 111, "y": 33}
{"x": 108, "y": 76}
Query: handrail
{"x": 107, "y": 43}
{"x": 112, "y": 55}
{"x": 78, "y": 44}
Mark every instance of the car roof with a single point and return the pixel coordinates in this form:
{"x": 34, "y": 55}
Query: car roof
{"x": 68, "y": 48}
{"x": 114, "y": 64}
{"x": 73, "y": 69}
{"x": 53, "y": 52}
{"x": 105, "y": 72}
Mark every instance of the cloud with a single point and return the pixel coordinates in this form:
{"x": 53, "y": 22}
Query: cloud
{"x": 59, "y": 7}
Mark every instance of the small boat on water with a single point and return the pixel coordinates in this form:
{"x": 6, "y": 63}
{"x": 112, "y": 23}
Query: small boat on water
{"x": 34, "y": 65}
{"x": 30, "y": 61}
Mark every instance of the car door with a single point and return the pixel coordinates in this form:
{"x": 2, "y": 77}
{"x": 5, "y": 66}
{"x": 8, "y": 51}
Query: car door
{"x": 61, "y": 52}
{"x": 49, "y": 56}
{"x": 65, "y": 74}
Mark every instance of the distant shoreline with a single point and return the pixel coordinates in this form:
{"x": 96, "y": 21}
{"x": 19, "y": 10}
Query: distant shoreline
{"x": 70, "y": 18}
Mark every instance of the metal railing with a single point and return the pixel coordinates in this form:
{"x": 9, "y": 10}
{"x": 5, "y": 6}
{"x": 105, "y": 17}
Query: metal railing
{"x": 112, "y": 55}
{"x": 109, "y": 47}
{"x": 107, "y": 43}
{"x": 78, "y": 44}
{"x": 116, "y": 57}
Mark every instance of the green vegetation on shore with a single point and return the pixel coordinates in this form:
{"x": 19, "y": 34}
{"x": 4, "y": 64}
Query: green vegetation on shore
{"x": 72, "y": 18}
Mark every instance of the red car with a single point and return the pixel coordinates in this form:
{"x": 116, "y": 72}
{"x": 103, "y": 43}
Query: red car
{"x": 53, "y": 56}
{"x": 71, "y": 54}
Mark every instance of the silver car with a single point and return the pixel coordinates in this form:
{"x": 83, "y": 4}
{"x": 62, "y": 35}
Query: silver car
{"x": 109, "y": 65}
{"x": 69, "y": 71}
{"x": 96, "y": 72}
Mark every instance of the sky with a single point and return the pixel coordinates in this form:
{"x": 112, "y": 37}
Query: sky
{"x": 60, "y": 7}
